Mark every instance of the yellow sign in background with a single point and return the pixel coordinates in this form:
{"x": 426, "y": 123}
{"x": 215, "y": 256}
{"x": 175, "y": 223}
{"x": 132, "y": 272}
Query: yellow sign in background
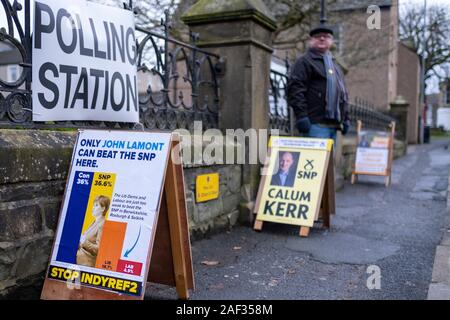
{"x": 207, "y": 187}
{"x": 293, "y": 187}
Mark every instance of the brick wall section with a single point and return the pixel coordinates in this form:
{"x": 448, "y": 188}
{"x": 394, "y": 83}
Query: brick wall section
{"x": 409, "y": 87}
{"x": 369, "y": 55}
{"x": 33, "y": 166}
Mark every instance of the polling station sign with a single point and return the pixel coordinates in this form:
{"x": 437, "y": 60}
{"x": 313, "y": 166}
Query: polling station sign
{"x": 294, "y": 180}
{"x": 109, "y": 213}
{"x": 84, "y": 62}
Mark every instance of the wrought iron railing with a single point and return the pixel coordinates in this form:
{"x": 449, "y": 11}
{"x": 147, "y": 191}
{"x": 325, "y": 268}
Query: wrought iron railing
{"x": 280, "y": 114}
{"x": 15, "y": 95}
{"x": 178, "y": 81}
{"x": 371, "y": 118}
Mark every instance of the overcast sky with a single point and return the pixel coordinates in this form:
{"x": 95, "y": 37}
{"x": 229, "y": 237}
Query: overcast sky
{"x": 421, "y": 2}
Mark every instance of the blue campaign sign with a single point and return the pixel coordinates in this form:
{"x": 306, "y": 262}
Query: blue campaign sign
{"x": 68, "y": 244}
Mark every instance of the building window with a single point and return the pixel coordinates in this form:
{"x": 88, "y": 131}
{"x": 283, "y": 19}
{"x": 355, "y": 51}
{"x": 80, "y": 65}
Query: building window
{"x": 13, "y": 73}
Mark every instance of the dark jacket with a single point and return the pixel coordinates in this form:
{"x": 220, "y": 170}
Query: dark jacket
{"x": 289, "y": 182}
{"x": 307, "y": 88}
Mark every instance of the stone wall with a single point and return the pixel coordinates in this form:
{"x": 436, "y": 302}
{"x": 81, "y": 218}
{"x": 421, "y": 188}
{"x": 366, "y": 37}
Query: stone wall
{"x": 34, "y": 166}
{"x": 214, "y": 215}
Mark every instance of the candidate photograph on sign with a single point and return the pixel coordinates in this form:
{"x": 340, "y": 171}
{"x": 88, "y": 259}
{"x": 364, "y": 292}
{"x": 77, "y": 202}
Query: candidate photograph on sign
{"x": 363, "y": 141}
{"x": 90, "y": 239}
{"x": 285, "y": 169}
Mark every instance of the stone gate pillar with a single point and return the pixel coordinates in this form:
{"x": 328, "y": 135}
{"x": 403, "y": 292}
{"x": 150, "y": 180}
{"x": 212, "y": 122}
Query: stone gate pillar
{"x": 399, "y": 110}
{"x": 240, "y": 31}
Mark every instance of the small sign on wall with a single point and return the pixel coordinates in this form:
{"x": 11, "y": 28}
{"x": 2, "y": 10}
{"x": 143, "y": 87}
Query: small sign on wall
{"x": 207, "y": 187}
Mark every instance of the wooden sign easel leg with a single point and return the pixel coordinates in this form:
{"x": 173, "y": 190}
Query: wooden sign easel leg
{"x": 358, "y": 136}
{"x": 258, "y": 225}
{"x": 391, "y": 155}
{"x": 327, "y": 204}
{"x": 326, "y": 210}
{"x": 354, "y": 178}
{"x": 304, "y": 231}
{"x": 330, "y": 196}
{"x": 173, "y": 189}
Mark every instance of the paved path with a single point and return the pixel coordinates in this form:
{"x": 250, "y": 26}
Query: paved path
{"x": 396, "y": 229}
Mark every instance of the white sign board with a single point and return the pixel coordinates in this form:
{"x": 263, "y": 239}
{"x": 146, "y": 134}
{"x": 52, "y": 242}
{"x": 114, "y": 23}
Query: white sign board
{"x": 108, "y": 216}
{"x": 84, "y": 62}
{"x": 372, "y": 153}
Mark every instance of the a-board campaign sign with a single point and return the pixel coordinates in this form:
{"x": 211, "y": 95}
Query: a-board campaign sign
{"x": 374, "y": 152}
{"x": 84, "y": 62}
{"x": 292, "y": 189}
{"x": 109, "y": 215}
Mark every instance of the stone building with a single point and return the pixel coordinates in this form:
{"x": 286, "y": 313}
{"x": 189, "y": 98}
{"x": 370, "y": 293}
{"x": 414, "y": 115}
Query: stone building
{"x": 444, "y": 92}
{"x": 408, "y": 86}
{"x": 443, "y": 112}
{"x": 436, "y": 101}
{"x": 432, "y": 102}
{"x": 370, "y": 55}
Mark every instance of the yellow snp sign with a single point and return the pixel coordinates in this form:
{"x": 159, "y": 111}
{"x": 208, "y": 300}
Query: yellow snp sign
{"x": 292, "y": 186}
{"x": 207, "y": 187}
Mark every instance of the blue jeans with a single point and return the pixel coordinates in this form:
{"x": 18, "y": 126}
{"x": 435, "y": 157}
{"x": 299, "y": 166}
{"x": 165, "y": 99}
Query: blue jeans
{"x": 318, "y": 131}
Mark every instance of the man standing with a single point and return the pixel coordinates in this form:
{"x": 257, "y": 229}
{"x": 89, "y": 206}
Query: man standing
{"x": 285, "y": 175}
{"x": 316, "y": 89}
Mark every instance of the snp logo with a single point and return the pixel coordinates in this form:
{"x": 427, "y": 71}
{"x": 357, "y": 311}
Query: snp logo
{"x": 374, "y": 279}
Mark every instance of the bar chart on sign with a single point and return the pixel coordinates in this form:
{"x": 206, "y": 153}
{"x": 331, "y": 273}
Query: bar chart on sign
{"x": 87, "y": 188}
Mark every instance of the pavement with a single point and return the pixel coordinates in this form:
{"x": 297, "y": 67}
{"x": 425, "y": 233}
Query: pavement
{"x": 381, "y": 244}
{"x": 440, "y": 280}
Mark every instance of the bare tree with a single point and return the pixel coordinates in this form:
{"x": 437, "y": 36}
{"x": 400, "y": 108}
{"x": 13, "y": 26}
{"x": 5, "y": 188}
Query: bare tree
{"x": 431, "y": 42}
{"x": 294, "y": 20}
{"x": 148, "y": 12}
